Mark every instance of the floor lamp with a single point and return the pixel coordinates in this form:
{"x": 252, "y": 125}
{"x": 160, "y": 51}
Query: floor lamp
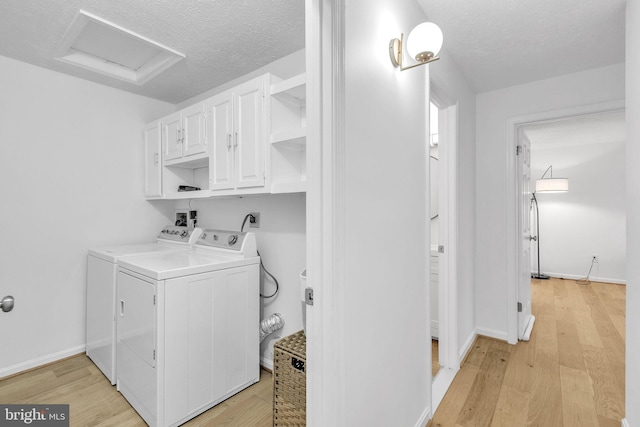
{"x": 546, "y": 185}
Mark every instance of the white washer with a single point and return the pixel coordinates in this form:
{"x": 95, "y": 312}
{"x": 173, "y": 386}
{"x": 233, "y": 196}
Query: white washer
{"x": 187, "y": 326}
{"x": 101, "y": 290}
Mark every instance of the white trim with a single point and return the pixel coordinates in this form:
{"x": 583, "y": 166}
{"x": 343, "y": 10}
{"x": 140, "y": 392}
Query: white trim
{"x": 577, "y": 277}
{"x": 467, "y": 344}
{"x": 493, "y": 333}
{"x": 625, "y": 423}
{"x": 527, "y": 332}
{"x": 424, "y": 418}
{"x": 42, "y": 360}
{"x": 441, "y": 384}
{"x": 325, "y": 52}
{"x": 512, "y": 198}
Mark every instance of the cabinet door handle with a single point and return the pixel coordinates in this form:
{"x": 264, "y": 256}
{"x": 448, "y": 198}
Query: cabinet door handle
{"x": 228, "y": 141}
{"x": 156, "y": 158}
{"x": 179, "y": 140}
{"x": 236, "y": 143}
{"x": 121, "y": 308}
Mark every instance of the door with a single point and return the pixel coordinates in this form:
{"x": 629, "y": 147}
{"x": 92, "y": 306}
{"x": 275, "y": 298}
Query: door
{"x": 171, "y": 128}
{"x": 525, "y": 319}
{"x": 249, "y": 135}
{"x": 221, "y": 167}
{"x": 136, "y": 313}
{"x": 152, "y": 165}
{"x": 194, "y": 130}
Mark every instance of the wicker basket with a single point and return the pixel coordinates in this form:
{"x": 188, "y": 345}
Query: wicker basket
{"x": 290, "y": 381}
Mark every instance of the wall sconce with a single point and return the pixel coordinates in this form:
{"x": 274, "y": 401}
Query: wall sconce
{"x": 423, "y": 44}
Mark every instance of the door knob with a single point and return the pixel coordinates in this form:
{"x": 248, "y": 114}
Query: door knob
{"x": 535, "y": 238}
{"x": 7, "y": 304}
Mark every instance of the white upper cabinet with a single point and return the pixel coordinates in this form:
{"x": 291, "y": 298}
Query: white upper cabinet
{"x": 152, "y": 160}
{"x": 221, "y": 160}
{"x": 238, "y": 137}
{"x": 185, "y": 135}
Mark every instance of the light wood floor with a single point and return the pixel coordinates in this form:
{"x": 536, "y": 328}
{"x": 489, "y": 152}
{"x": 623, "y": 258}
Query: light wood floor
{"x": 93, "y": 401}
{"x": 571, "y": 372}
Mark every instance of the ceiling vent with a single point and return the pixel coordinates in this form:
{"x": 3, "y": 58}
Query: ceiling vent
{"x": 101, "y": 46}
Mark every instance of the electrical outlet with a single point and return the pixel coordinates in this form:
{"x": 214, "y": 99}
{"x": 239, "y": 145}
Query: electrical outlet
{"x": 595, "y": 259}
{"x": 254, "y": 220}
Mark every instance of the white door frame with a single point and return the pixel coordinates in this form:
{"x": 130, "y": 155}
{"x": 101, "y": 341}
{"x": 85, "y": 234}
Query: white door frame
{"x": 325, "y": 51}
{"x": 448, "y": 215}
{"x": 513, "y": 234}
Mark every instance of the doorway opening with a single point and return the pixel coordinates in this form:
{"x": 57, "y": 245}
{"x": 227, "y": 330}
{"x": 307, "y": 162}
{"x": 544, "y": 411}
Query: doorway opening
{"x": 443, "y": 245}
{"x": 524, "y": 130}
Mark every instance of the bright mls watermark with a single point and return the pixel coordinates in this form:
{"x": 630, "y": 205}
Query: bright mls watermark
{"x": 34, "y": 415}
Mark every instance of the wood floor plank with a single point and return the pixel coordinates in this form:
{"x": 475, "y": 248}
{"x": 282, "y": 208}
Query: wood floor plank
{"x": 608, "y": 396}
{"x": 569, "y": 347}
{"x": 453, "y": 401}
{"x": 480, "y": 405}
{"x": 512, "y": 408}
{"x": 545, "y": 406}
{"x": 587, "y": 332}
{"x": 578, "y": 409}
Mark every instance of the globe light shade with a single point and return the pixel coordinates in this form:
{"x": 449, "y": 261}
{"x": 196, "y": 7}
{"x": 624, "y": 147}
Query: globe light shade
{"x": 424, "y": 41}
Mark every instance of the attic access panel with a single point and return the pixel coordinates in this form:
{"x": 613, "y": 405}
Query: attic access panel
{"x": 98, "y": 45}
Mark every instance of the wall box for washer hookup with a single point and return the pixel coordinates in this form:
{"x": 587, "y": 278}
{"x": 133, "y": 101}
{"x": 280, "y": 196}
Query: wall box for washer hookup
{"x": 186, "y": 218}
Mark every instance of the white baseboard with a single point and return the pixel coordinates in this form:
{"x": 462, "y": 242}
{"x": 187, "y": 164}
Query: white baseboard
{"x": 435, "y": 326}
{"x": 625, "y": 423}
{"x": 576, "y": 277}
{"x": 424, "y": 418}
{"x": 267, "y": 363}
{"x": 43, "y": 360}
{"x": 467, "y": 345}
{"x": 492, "y": 333}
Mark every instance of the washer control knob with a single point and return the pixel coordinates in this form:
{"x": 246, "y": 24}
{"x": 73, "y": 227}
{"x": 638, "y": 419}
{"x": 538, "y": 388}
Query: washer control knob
{"x": 184, "y": 233}
{"x": 233, "y": 239}
{"x": 203, "y": 236}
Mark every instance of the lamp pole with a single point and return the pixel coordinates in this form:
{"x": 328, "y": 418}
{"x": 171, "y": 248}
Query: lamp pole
{"x": 539, "y": 275}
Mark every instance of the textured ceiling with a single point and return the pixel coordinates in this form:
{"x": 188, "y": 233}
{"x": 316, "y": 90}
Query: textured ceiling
{"x": 501, "y": 43}
{"x": 581, "y": 130}
{"x": 495, "y": 43}
{"x": 222, "y": 39}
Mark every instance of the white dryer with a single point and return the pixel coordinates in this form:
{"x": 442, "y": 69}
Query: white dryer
{"x": 187, "y": 325}
{"x": 101, "y": 290}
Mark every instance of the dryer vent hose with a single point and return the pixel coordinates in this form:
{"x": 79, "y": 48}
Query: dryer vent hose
{"x": 270, "y": 325}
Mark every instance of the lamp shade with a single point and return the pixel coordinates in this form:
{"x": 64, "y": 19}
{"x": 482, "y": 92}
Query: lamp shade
{"x": 424, "y": 38}
{"x": 552, "y": 185}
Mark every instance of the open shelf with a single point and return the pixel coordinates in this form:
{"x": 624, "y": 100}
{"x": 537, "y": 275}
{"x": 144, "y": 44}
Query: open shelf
{"x": 293, "y": 139}
{"x": 292, "y": 90}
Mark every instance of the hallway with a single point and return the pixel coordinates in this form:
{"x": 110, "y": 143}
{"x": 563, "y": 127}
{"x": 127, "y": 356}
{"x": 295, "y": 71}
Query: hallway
{"x": 571, "y": 372}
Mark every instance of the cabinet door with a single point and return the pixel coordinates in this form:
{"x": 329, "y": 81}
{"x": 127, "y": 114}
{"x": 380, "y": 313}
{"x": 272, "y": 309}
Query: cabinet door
{"x": 172, "y": 133}
{"x": 249, "y": 134}
{"x": 221, "y": 164}
{"x": 152, "y": 165}
{"x": 194, "y": 130}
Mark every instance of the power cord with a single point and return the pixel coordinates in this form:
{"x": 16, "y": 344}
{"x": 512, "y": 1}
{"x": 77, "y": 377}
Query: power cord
{"x": 251, "y": 217}
{"x": 586, "y": 280}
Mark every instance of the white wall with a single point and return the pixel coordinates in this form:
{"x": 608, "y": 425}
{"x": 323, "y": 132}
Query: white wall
{"x": 633, "y": 212}
{"x": 589, "y": 219}
{"x": 454, "y": 86}
{"x": 384, "y": 196}
{"x": 493, "y": 109}
{"x": 281, "y": 241}
{"x": 71, "y": 178}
